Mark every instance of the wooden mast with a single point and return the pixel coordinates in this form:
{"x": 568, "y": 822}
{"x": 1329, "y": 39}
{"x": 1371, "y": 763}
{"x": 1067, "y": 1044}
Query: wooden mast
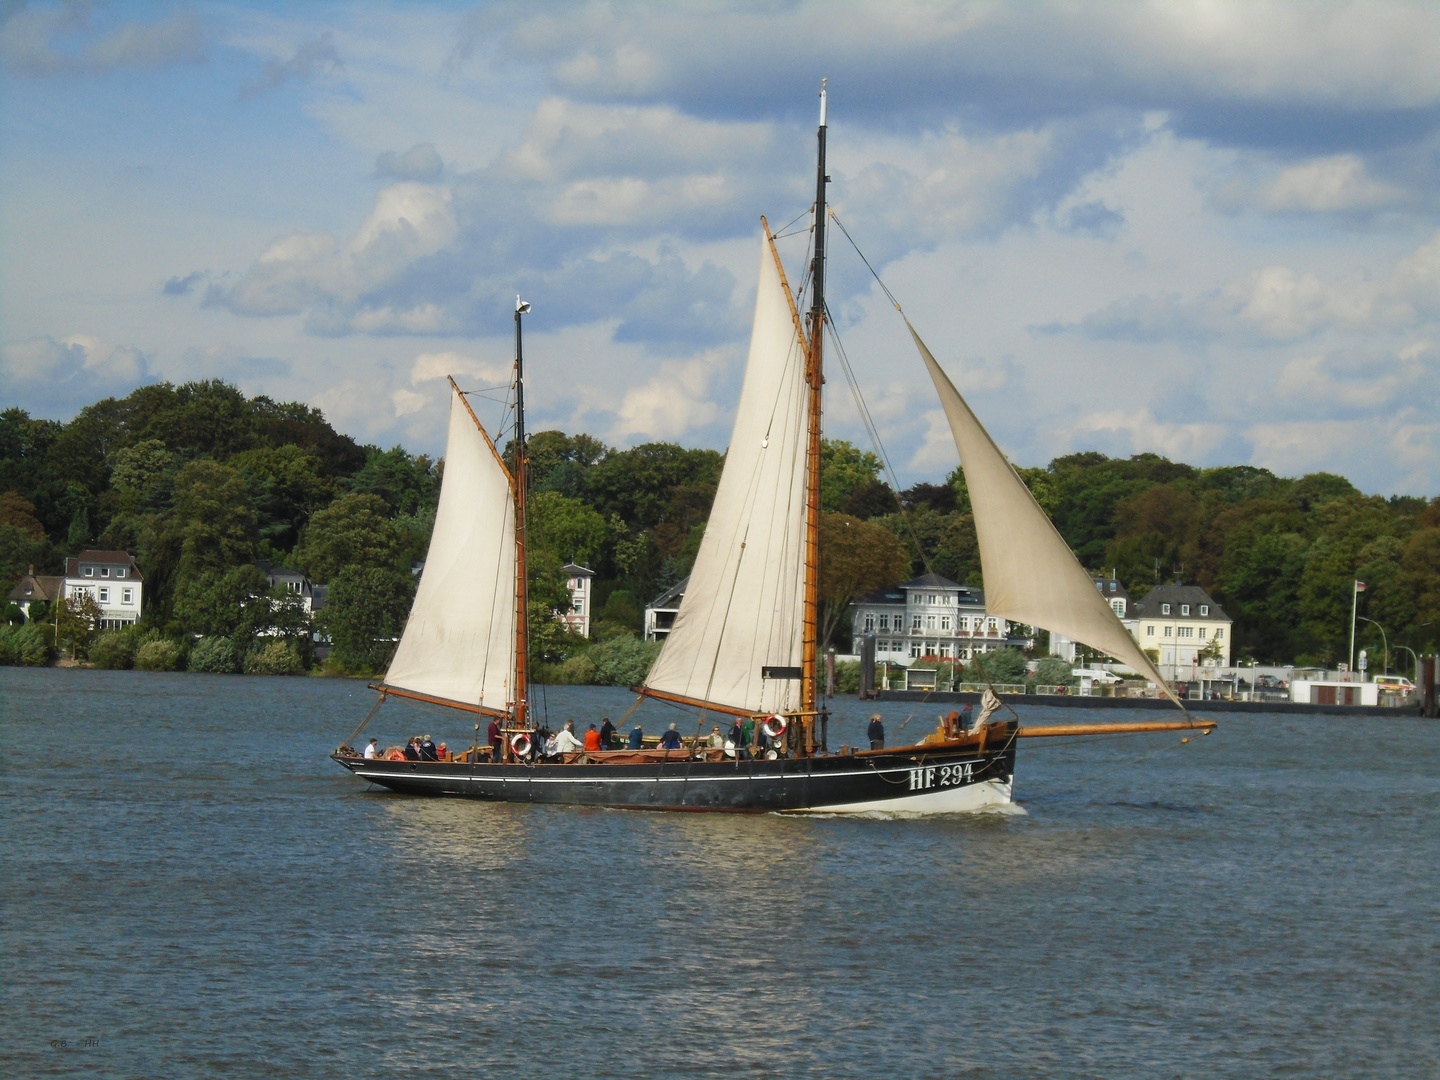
{"x": 815, "y": 379}
{"x": 522, "y": 583}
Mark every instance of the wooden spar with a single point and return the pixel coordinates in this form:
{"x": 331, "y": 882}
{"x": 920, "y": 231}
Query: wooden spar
{"x": 1205, "y": 726}
{"x": 698, "y": 703}
{"x": 431, "y": 700}
{"x": 483, "y": 433}
{"x": 815, "y": 379}
{"x": 522, "y": 581}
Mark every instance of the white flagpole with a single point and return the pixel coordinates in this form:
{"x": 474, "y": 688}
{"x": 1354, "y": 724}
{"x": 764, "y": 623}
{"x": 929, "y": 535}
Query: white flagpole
{"x": 1354, "y": 599}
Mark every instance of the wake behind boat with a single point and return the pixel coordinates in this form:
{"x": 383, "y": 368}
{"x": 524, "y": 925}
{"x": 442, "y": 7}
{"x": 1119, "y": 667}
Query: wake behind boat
{"x": 744, "y": 642}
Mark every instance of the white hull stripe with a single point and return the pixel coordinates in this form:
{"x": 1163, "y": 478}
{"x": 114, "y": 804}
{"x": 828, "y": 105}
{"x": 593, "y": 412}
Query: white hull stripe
{"x": 956, "y": 800}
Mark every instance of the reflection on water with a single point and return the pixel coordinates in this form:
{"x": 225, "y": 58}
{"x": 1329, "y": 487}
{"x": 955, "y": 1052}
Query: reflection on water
{"x": 209, "y": 894}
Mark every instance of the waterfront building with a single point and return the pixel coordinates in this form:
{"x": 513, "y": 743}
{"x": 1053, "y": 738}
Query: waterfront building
{"x": 660, "y": 613}
{"x": 295, "y": 583}
{"x": 1177, "y": 623}
{"x": 928, "y": 617}
{"x": 578, "y": 580}
{"x": 113, "y": 581}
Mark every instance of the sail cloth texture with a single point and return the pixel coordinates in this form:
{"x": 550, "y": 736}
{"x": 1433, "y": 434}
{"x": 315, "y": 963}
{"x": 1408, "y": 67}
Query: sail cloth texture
{"x": 743, "y": 605}
{"x": 459, "y": 642}
{"x": 1031, "y": 575}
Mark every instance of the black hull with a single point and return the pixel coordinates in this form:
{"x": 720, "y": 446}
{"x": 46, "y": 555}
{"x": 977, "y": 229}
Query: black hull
{"x": 920, "y": 779}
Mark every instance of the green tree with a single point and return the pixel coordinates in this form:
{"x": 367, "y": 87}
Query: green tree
{"x": 567, "y": 528}
{"x": 285, "y": 485}
{"x": 855, "y": 557}
{"x": 365, "y": 614}
{"x": 844, "y": 469}
{"x": 352, "y": 532}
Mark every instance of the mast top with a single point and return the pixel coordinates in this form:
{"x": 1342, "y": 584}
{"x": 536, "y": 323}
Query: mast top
{"x": 822, "y": 101}
{"x": 522, "y": 307}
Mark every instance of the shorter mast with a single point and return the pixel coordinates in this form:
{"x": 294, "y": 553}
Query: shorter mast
{"x": 522, "y": 583}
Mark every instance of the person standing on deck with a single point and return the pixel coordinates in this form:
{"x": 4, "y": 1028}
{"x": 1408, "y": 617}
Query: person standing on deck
{"x": 492, "y": 733}
{"x": 373, "y": 750}
{"x": 637, "y": 738}
{"x": 876, "y": 733}
{"x": 607, "y": 735}
{"x": 565, "y": 740}
{"x": 592, "y": 739}
{"x": 670, "y": 740}
{"x": 716, "y": 739}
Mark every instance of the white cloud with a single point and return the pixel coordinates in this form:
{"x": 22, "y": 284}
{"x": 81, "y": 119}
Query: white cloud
{"x": 431, "y": 366}
{"x": 1138, "y": 431}
{"x": 1327, "y": 185}
{"x": 76, "y": 370}
{"x": 670, "y": 404}
{"x": 67, "y": 40}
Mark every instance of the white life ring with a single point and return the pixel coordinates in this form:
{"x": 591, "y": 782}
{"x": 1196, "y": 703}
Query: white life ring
{"x": 775, "y": 726}
{"x": 521, "y": 745}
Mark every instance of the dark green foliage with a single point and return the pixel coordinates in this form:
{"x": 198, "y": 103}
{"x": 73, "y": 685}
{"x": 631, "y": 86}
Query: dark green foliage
{"x": 353, "y": 531}
{"x": 115, "y": 649}
{"x": 1052, "y": 671}
{"x": 214, "y": 656}
{"x": 1003, "y": 665}
{"x": 365, "y": 614}
{"x": 25, "y": 646}
{"x": 160, "y": 654}
{"x": 274, "y": 658}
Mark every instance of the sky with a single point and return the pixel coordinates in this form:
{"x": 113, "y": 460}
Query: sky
{"x": 1207, "y": 230}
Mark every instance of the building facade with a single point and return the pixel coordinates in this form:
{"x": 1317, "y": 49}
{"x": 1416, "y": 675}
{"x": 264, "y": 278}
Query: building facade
{"x": 929, "y": 617}
{"x": 578, "y": 579}
{"x": 660, "y": 613}
{"x": 1178, "y": 623}
{"x": 112, "y": 580}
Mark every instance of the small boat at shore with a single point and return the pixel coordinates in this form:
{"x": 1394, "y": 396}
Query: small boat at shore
{"x": 745, "y": 640}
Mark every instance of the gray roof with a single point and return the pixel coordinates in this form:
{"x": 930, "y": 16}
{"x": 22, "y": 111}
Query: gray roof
{"x": 1175, "y": 595}
{"x": 671, "y": 596}
{"x": 930, "y": 581}
{"x": 1111, "y": 588}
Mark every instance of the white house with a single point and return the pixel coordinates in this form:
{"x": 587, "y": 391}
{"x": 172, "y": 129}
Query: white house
{"x": 294, "y": 582}
{"x": 1179, "y": 622}
{"x": 113, "y": 581}
{"x": 930, "y": 617}
{"x": 1119, "y": 601}
{"x": 660, "y": 613}
{"x": 578, "y": 580}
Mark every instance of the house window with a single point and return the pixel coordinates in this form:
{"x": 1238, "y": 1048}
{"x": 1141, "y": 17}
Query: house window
{"x": 1112, "y": 586}
{"x": 1184, "y": 609}
{"x": 1169, "y": 631}
{"x": 929, "y": 622}
{"x": 1117, "y": 606}
{"x": 869, "y": 624}
{"x": 1164, "y": 609}
{"x": 1187, "y": 631}
{"x": 120, "y": 572}
{"x": 885, "y": 622}
{"x": 915, "y": 622}
{"x": 945, "y": 650}
{"x": 991, "y": 626}
{"x": 89, "y": 571}
{"x": 105, "y": 571}
{"x": 944, "y": 622}
{"x": 1149, "y": 631}
{"x": 1202, "y": 633}
{"x": 915, "y": 650}
{"x": 104, "y": 595}
{"x": 1204, "y": 609}
{"x": 962, "y": 623}
{"x": 1219, "y": 632}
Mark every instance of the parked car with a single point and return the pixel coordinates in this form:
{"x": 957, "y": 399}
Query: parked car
{"x": 1395, "y": 684}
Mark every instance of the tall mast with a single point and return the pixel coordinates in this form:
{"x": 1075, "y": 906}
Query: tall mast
{"x": 522, "y": 582}
{"x": 815, "y": 378}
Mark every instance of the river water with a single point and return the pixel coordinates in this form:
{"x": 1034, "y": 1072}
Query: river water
{"x": 191, "y": 888}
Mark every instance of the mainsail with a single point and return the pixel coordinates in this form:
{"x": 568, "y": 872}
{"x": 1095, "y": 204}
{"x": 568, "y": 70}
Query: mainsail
{"x": 743, "y": 606}
{"x": 459, "y": 644}
{"x": 1031, "y": 575}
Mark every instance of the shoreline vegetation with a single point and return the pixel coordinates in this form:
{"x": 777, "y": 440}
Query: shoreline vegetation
{"x": 201, "y": 483}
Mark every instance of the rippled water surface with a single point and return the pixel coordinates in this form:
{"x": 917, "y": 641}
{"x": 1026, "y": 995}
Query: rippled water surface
{"x": 191, "y": 888}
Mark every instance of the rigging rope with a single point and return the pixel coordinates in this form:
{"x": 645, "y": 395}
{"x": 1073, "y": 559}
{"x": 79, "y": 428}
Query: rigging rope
{"x": 373, "y": 710}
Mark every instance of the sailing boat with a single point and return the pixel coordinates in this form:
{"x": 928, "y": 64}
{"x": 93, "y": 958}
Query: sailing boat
{"x": 744, "y": 642}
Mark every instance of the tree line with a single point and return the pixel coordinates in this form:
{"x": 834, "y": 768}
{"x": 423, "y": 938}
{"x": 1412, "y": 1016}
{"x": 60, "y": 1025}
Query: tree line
{"x": 200, "y": 483}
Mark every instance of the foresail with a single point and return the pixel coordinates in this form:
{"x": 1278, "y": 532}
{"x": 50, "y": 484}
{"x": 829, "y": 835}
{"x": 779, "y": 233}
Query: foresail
{"x": 459, "y": 643}
{"x": 1031, "y": 575}
{"x": 742, "y": 609}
